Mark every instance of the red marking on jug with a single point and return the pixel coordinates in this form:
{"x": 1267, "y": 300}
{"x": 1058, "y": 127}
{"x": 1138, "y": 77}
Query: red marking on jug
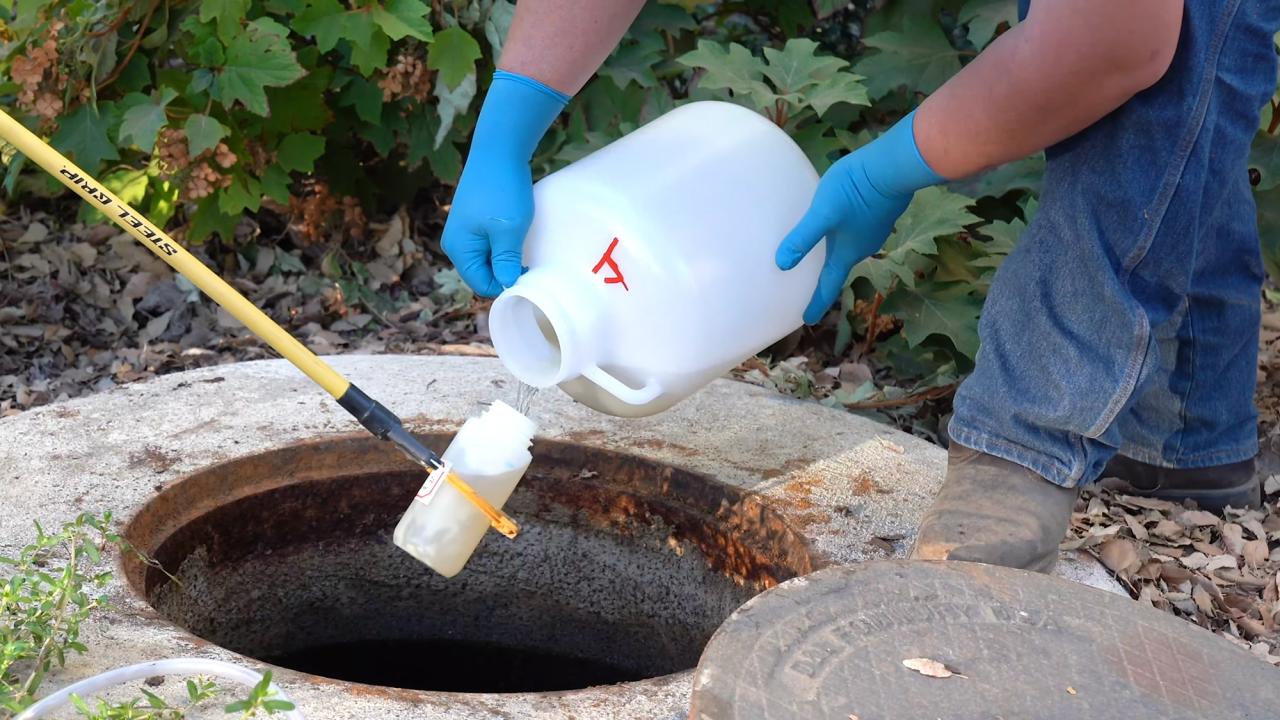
{"x": 607, "y": 259}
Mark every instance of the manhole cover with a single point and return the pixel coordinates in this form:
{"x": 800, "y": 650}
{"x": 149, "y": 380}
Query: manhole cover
{"x": 831, "y": 646}
{"x": 623, "y": 570}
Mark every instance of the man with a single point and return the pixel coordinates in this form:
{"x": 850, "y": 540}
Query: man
{"x": 1124, "y": 327}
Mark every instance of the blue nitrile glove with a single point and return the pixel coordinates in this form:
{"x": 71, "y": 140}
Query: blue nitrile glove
{"x": 493, "y": 205}
{"x": 855, "y": 206}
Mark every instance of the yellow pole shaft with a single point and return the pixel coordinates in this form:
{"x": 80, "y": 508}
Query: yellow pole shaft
{"x": 172, "y": 253}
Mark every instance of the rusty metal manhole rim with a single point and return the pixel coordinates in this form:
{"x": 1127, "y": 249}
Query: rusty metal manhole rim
{"x": 363, "y": 444}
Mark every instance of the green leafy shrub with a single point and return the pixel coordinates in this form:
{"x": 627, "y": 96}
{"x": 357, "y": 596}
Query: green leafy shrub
{"x": 48, "y": 590}
{"x": 323, "y": 114}
{"x": 1264, "y": 175}
{"x": 215, "y": 108}
{"x": 51, "y": 589}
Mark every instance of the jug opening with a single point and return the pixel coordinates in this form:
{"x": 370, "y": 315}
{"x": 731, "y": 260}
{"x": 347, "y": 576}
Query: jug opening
{"x": 533, "y": 347}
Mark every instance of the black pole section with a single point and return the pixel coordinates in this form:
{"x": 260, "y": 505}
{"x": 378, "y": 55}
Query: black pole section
{"x": 384, "y": 425}
{"x": 372, "y": 414}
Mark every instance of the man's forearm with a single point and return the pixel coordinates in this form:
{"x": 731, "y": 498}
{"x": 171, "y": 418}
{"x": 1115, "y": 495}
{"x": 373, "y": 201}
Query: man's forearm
{"x": 1068, "y": 65}
{"x": 561, "y": 43}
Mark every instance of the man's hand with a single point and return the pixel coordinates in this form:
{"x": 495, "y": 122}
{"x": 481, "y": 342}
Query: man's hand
{"x": 855, "y": 206}
{"x": 493, "y": 206}
{"x": 1068, "y": 65}
{"x": 552, "y": 49}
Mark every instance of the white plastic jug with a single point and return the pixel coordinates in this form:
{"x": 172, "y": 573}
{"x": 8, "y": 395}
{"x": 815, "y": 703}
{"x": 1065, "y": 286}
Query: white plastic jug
{"x": 651, "y": 261}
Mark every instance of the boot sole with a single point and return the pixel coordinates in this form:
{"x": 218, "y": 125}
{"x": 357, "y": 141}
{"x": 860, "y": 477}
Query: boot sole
{"x": 1246, "y": 495}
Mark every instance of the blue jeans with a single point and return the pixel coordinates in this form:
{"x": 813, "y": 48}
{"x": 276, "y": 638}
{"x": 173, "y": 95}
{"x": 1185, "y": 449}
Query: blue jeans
{"x": 1127, "y": 318}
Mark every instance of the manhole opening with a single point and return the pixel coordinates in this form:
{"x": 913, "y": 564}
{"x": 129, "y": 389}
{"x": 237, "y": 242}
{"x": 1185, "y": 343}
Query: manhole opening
{"x": 623, "y": 569}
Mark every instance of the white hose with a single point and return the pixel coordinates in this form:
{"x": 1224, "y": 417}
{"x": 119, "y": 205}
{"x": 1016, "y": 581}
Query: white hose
{"x": 175, "y": 666}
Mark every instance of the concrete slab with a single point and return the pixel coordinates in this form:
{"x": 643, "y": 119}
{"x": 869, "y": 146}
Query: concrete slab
{"x": 839, "y": 481}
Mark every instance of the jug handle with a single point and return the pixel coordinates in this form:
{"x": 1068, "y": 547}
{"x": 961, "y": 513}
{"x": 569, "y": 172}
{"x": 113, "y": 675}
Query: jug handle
{"x": 621, "y": 390}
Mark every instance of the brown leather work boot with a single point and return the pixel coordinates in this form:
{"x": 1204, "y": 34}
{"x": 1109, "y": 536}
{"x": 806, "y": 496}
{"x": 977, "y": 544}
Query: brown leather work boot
{"x": 994, "y": 511}
{"x": 1213, "y": 488}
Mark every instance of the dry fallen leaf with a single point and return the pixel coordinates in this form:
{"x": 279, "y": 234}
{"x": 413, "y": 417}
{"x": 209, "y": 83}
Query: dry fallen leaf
{"x": 1199, "y": 518}
{"x": 1182, "y": 601}
{"x": 1147, "y": 503}
{"x": 1239, "y": 602}
{"x": 1202, "y": 600}
{"x": 1256, "y": 553}
{"x": 1255, "y": 527}
{"x": 1209, "y": 549}
{"x": 389, "y": 243}
{"x": 1250, "y": 628}
{"x": 1272, "y": 485}
{"x": 1262, "y": 651}
{"x": 1167, "y": 529}
{"x": 1135, "y": 527}
{"x": 854, "y": 374}
{"x": 1170, "y": 552}
{"x": 1150, "y": 570}
{"x": 1208, "y": 586}
{"x": 1220, "y": 562}
{"x": 1272, "y": 524}
{"x": 929, "y": 668}
{"x": 1233, "y": 538}
{"x": 1096, "y": 508}
{"x": 1120, "y": 555}
{"x": 1195, "y": 560}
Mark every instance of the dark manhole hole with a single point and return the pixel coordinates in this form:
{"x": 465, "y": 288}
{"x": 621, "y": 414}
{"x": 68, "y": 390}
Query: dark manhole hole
{"x": 623, "y": 569}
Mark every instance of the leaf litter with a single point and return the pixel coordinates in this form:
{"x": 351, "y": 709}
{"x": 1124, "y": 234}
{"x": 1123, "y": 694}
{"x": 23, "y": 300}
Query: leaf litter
{"x": 85, "y": 308}
{"x": 1219, "y": 571}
